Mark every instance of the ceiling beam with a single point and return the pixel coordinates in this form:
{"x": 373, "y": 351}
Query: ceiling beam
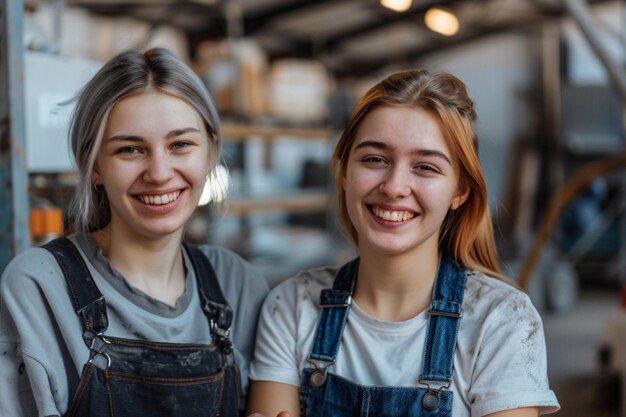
{"x": 255, "y": 23}
{"x": 369, "y": 66}
{"x": 385, "y": 17}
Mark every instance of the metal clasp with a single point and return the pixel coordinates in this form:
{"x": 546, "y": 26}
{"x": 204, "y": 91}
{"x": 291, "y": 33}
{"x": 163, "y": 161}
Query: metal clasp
{"x": 445, "y": 313}
{"x": 318, "y": 377}
{"x": 97, "y": 350}
{"x": 432, "y": 399}
{"x": 346, "y": 303}
{"x": 217, "y": 330}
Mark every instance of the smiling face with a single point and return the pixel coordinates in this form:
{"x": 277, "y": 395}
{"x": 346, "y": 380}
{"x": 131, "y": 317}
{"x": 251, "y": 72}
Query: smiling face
{"x": 400, "y": 181}
{"x": 153, "y": 163}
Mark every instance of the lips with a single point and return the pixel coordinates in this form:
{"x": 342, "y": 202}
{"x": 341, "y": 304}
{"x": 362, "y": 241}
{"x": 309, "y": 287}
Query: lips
{"x": 392, "y": 215}
{"x": 158, "y": 199}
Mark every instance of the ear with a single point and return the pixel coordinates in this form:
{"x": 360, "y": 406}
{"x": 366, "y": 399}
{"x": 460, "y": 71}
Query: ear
{"x": 461, "y": 196}
{"x": 95, "y": 176}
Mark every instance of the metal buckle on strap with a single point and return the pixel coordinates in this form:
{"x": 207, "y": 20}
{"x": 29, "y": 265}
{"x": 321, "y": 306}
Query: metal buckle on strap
{"x": 445, "y": 308}
{"x": 446, "y": 313}
{"x": 432, "y": 399}
{"x": 220, "y": 313}
{"x": 220, "y": 319}
{"x": 318, "y": 377}
{"x": 98, "y": 341}
{"x": 439, "y": 385}
{"x": 217, "y": 330}
{"x": 346, "y": 303}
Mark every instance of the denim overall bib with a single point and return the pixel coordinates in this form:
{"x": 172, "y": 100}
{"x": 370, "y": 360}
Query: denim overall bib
{"x": 323, "y": 394}
{"x": 133, "y": 378}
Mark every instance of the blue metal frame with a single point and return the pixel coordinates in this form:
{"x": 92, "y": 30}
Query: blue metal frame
{"x": 14, "y": 207}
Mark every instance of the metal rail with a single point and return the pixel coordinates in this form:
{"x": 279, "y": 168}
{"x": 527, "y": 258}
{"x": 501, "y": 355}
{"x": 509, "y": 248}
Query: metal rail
{"x": 14, "y": 209}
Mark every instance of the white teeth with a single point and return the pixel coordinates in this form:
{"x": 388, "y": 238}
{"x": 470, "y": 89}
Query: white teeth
{"x": 393, "y": 216}
{"x": 159, "y": 200}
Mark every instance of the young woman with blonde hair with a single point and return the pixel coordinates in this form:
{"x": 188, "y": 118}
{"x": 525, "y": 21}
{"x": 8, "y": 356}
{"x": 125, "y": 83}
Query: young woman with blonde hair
{"x": 121, "y": 317}
{"x": 422, "y": 323}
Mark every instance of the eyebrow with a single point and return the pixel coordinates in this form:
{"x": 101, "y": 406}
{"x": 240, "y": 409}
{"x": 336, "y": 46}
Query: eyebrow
{"x": 134, "y": 138}
{"x": 386, "y": 147}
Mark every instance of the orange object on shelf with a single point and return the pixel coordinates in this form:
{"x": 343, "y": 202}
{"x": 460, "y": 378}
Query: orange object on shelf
{"x": 46, "y": 221}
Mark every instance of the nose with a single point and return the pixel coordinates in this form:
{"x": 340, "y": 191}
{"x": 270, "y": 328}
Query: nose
{"x": 396, "y": 183}
{"x": 159, "y": 169}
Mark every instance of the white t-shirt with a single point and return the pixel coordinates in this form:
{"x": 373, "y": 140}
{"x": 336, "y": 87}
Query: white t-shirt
{"x": 39, "y": 327}
{"x": 499, "y": 363}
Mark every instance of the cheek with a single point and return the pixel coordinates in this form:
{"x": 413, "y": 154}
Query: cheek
{"x": 439, "y": 196}
{"x": 199, "y": 166}
{"x": 354, "y": 187}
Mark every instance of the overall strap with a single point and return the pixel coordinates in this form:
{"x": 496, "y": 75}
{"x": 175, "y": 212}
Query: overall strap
{"x": 87, "y": 300}
{"x": 215, "y": 305}
{"x": 444, "y": 317}
{"x": 335, "y": 303}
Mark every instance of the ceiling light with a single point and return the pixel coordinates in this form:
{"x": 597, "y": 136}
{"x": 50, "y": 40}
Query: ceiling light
{"x": 441, "y": 21}
{"x": 397, "y": 5}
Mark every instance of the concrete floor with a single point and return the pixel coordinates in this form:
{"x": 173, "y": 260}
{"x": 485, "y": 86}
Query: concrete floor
{"x": 573, "y": 341}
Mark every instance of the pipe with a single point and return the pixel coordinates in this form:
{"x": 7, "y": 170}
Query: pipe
{"x": 580, "y": 12}
{"x": 558, "y": 202}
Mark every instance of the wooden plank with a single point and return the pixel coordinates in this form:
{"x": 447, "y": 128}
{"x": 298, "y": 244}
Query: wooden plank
{"x": 245, "y": 132}
{"x": 313, "y": 202}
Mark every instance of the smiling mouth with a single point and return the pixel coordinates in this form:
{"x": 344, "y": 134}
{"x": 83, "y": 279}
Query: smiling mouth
{"x": 392, "y": 215}
{"x": 158, "y": 200}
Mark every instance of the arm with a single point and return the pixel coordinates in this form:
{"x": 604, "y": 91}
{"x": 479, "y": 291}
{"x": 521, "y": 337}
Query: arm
{"x": 510, "y": 366}
{"x": 519, "y": 412}
{"x": 280, "y": 346}
{"x": 31, "y": 365}
{"x": 272, "y": 398}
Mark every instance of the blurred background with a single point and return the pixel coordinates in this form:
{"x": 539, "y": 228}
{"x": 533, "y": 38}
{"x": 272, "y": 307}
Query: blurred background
{"x": 548, "y": 78}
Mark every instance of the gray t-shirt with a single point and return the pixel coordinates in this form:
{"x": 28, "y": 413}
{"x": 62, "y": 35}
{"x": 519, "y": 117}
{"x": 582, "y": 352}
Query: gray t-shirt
{"x": 39, "y": 327}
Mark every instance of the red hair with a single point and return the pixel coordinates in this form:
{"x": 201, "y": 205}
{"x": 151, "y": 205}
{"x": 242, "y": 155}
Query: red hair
{"x": 467, "y": 232}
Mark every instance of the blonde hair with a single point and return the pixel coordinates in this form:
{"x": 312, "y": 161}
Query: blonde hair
{"x": 124, "y": 75}
{"x": 466, "y": 233}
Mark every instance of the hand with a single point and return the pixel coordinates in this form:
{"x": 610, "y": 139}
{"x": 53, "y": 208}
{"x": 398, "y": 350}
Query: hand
{"x": 281, "y": 414}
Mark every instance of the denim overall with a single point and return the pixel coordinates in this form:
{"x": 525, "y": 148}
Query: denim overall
{"x": 128, "y": 378}
{"x": 323, "y": 394}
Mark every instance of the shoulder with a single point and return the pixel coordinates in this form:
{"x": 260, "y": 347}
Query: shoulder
{"x": 34, "y": 266}
{"x": 305, "y": 285}
{"x": 243, "y": 285}
{"x": 498, "y": 307}
{"x": 290, "y": 311}
{"x": 484, "y": 291}
{"x": 228, "y": 264}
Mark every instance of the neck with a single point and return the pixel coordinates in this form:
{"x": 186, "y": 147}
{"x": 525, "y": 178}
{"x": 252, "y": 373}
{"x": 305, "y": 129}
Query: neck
{"x": 397, "y": 287}
{"x": 154, "y": 266}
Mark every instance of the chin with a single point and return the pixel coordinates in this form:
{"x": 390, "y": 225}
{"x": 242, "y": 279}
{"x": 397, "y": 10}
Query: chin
{"x": 389, "y": 249}
{"x": 163, "y": 230}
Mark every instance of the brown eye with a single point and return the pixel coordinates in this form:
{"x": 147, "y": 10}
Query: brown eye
{"x": 426, "y": 168}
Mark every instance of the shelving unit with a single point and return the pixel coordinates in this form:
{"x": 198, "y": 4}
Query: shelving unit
{"x": 301, "y": 203}
{"x": 259, "y": 223}
{"x": 241, "y": 132}
{"x": 289, "y": 202}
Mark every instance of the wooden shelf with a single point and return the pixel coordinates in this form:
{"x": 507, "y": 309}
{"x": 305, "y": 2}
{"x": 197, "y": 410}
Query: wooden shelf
{"x": 294, "y": 202}
{"x": 241, "y": 132}
{"x": 302, "y": 202}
